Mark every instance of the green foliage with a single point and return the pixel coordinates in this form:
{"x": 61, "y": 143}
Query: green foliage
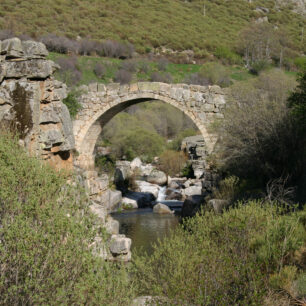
{"x": 95, "y": 19}
{"x": 172, "y": 162}
{"x": 46, "y": 233}
{"x": 176, "y": 143}
{"x": 228, "y": 56}
{"x": 223, "y": 259}
{"x": 105, "y": 164}
{"x": 216, "y": 73}
{"x": 158, "y": 120}
{"x": 300, "y": 62}
{"x": 72, "y": 103}
{"x": 227, "y": 189}
{"x": 297, "y": 102}
{"x": 256, "y": 126}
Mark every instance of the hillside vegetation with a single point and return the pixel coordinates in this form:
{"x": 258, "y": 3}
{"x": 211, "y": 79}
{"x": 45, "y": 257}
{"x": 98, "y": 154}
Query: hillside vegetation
{"x": 146, "y": 24}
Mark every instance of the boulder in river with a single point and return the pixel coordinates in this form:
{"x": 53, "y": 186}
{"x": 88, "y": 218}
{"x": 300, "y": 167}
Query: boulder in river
{"x": 162, "y": 209}
{"x": 143, "y": 199}
{"x": 192, "y": 190}
{"x": 129, "y": 203}
{"x": 146, "y": 187}
{"x": 136, "y": 163}
{"x": 157, "y": 177}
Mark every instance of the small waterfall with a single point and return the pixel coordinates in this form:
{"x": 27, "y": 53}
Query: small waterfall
{"x": 161, "y": 194}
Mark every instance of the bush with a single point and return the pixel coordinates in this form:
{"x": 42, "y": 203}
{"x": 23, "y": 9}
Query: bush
{"x": 300, "y": 62}
{"x": 99, "y": 70}
{"x": 196, "y": 79}
{"x": 259, "y": 66}
{"x": 59, "y": 44}
{"x": 129, "y": 66}
{"x": 123, "y": 76}
{"x": 216, "y": 74}
{"x": 69, "y": 72}
{"x": 172, "y": 162}
{"x": 46, "y": 233}
{"x": 258, "y": 140}
{"x": 72, "y": 103}
{"x": 227, "y": 56}
{"x": 162, "y": 64}
{"x": 222, "y": 259}
{"x": 161, "y": 77}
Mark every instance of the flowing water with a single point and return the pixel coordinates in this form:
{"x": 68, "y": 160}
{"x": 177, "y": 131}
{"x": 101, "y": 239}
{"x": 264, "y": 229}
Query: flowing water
{"x": 145, "y": 227}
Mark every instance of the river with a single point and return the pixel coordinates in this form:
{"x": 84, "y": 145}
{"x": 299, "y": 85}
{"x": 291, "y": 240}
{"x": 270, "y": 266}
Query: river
{"x": 145, "y": 227}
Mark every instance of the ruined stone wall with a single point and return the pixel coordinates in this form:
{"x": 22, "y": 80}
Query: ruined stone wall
{"x": 31, "y": 101}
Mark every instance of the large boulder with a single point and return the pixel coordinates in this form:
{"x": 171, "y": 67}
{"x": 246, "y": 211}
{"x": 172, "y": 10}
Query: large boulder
{"x": 99, "y": 211}
{"x": 173, "y": 194}
{"x": 115, "y": 198}
{"x": 142, "y": 199}
{"x": 146, "y": 187}
{"x": 122, "y": 173}
{"x": 112, "y": 226}
{"x": 192, "y": 205}
{"x": 162, "y": 209}
{"x": 129, "y": 203}
{"x": 192, "y": 190}
{"x": 218, "y": 205}
{"x": 120, "y": 247}
{"x": 157, "y": 177}
{"x": 136, "y": 164}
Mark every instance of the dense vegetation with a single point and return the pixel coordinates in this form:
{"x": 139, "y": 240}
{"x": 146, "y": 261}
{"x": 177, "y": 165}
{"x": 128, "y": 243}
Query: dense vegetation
{"x": 262, "y": 137}
{"x": 150, "y": 24}
{"x": 46, "y": 232}
{"x": 252, "y": 254}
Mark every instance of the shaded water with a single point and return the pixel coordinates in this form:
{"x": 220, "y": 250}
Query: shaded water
{"x": 144, "y": 227}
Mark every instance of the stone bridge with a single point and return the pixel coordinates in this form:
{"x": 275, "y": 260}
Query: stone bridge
{"x": 102, "y": 102}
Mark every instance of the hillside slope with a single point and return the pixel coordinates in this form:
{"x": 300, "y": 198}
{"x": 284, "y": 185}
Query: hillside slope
{"x": 206, "y": 23}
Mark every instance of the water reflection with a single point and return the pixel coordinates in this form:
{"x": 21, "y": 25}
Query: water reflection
{"x": 144, "y": 227}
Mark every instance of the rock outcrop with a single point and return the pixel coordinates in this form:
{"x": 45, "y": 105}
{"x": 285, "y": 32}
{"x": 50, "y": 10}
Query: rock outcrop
{"x": 31, "y": 101}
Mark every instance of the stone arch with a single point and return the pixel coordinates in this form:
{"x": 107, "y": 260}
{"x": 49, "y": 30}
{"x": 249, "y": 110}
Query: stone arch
{"x": 99, "y": 106}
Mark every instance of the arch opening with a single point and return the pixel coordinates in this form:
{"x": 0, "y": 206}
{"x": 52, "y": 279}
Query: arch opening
{"x": 87, "y": 136}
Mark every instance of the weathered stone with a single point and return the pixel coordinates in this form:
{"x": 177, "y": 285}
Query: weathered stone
{"x": 148, "y": 188}
{"x": 143, "y": 199}
{"x": 192, "y": 190}
{"x": 119, "y": 244}
{"x": 218, "y": 205}
{"x": 136, "y": 163}
{"x": 31, "y": 69}
{"x": 115, "y": 198}
{"x": 162, "y": 209}
{"x": 157, "y": 177}
{"x": 99, "y": 211}
{"x": 12, "y": 48}
{"x": 67, "y": 129}
{"x": 112, "y": 226}
{"x": 192, "y": 205}
{"x": 130, "y": 203}
{"x": 34, "y": 49}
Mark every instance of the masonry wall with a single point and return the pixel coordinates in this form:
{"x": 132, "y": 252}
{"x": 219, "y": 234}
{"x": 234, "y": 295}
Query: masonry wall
{"x": 31, "y": 102}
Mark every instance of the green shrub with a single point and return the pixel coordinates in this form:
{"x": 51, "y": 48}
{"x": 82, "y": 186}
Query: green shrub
{"x": 228, "y": 56}
{"x": 72, "y": 103}
{"x": 300, "y": 62}
{"x": 46, "y": 232}
{"x": 216, "y": 73}
{"x": 222, "y": 259}
{"x": 172, "y": 162}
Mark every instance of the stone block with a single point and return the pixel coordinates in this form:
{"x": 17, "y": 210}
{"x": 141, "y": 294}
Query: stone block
{"x": 120, "y": 244}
